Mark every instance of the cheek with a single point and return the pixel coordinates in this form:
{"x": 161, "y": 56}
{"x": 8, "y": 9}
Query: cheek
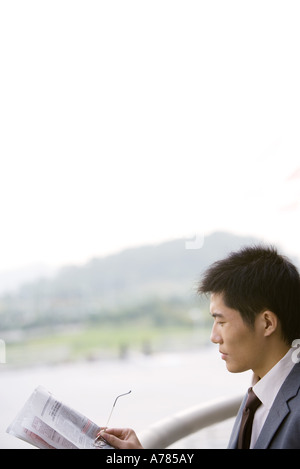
{"x": 242, "y": 347}
{"x": 237, "y": 340}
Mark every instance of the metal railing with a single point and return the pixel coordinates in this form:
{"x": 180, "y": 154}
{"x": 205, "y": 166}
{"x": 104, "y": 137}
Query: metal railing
{"x": 171, "y": 429}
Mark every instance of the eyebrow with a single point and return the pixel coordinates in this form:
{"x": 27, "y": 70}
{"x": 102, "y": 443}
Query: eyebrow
{"x": 217, "y": 315}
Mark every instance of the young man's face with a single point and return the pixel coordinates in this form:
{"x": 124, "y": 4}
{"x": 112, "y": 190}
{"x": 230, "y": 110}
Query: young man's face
{"x": 241, "y": 346}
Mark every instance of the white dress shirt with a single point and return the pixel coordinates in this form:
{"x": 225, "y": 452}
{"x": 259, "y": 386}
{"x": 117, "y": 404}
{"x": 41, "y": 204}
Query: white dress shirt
{"x": 267, "y": 389}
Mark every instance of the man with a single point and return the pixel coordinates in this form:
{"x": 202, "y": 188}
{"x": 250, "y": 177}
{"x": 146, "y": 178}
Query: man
{"x": 255, "y": 304}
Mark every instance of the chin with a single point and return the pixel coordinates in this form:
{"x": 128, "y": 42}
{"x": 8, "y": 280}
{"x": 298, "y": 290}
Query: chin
{"x": 236, "y": 368}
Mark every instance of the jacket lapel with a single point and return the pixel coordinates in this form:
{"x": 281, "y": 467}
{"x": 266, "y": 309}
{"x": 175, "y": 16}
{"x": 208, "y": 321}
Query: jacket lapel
{"x": 277, "y": 413}
{"x": 279, "y": 409}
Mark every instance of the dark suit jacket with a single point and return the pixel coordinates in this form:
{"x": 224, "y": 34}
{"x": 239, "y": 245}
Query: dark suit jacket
{"x": 281, "y": 429}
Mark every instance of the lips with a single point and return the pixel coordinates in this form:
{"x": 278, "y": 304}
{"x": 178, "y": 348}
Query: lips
{"x": 223, "y": 355}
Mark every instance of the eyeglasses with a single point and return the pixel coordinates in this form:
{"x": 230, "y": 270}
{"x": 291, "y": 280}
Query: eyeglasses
{"x": 99, "y": 442}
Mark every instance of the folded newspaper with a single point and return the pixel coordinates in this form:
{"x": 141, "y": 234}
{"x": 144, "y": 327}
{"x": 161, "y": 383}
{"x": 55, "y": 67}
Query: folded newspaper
{"x": 48, "y": 423}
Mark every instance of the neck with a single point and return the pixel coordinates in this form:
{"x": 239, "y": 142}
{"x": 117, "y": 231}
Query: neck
{"x": 272, "y": 356}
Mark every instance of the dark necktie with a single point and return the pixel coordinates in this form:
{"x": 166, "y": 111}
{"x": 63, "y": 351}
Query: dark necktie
{"x": 251, "y": 405}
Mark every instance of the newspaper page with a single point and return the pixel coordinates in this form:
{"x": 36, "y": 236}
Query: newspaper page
{"x": 48, "y": 423}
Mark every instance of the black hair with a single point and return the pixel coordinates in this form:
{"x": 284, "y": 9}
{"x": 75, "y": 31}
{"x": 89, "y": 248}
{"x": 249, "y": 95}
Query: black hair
{"x": 255, "y": 279}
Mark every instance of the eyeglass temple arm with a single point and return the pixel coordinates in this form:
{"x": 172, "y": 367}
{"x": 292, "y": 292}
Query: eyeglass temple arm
{"x": 125, "y": 394}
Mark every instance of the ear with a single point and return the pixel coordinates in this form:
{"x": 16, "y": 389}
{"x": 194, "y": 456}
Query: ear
{"x": 270, "y": 322}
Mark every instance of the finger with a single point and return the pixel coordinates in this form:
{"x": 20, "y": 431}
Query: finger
{"x": 99, "y": 433}
{"x": 113, "y": 440}
{"x": 118, "y": 432}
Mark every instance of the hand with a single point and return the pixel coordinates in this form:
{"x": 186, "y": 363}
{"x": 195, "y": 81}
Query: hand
{"x": 120, "y": 438}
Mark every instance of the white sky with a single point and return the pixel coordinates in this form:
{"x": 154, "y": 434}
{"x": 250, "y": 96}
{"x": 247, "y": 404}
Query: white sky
{"x": 129, "y": 122}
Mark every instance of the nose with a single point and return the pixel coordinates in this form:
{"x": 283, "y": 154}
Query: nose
{"x": 215, "y": 336}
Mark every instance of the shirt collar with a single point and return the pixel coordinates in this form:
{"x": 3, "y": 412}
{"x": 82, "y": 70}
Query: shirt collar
{"x": 267, "y": 387}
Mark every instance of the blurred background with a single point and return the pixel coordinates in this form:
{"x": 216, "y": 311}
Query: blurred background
{"x": 140, "y": 141}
